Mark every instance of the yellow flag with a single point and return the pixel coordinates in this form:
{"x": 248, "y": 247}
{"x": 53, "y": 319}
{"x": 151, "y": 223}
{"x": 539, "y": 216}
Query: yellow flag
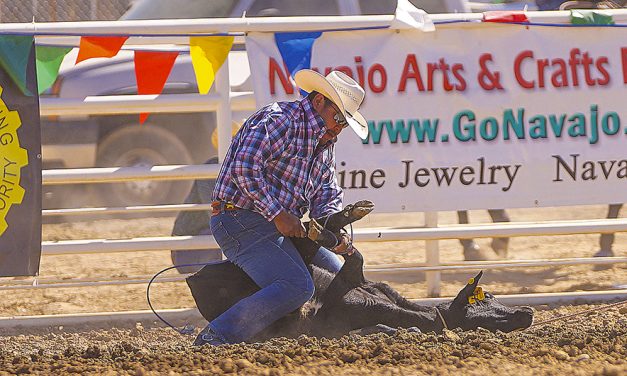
{"x": 208, "y": 55}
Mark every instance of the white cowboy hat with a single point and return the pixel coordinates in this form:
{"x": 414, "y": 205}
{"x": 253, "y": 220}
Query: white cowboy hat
{"x": 340, "y": 89}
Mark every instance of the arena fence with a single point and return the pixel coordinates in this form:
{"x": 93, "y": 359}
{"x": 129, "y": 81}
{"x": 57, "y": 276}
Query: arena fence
{"x": 222, "y": 102}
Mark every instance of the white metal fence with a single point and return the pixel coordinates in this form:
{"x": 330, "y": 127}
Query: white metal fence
{"x": 223, "y": 101}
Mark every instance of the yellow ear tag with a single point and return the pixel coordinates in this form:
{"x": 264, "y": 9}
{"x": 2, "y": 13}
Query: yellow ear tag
{"x": 471, "y": 281}
{"x": 477, "y": 295}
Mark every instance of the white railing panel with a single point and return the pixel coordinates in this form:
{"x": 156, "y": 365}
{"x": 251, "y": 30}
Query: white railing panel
{"x": 367, "y": 234}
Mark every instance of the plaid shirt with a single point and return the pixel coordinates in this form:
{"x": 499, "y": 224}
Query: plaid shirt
{"x": 272, "y": 164}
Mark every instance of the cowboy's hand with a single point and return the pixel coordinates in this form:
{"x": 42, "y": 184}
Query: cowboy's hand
{"x": 344, "y": 245}
{"x": 289, "y": 225}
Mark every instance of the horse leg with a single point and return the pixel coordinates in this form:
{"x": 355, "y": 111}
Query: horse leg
{"x": 499, "y": 245}
{"x": 607, "y": 240}
{"x": 472, "y": 251}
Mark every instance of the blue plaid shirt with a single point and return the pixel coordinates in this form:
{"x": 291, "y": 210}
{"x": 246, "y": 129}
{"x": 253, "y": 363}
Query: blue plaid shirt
{"x": 273, "y": 165}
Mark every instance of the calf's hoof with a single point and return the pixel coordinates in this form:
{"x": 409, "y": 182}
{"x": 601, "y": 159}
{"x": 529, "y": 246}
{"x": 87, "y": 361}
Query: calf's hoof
{"x": 320, "y": 235}
{"x": 474, "y": 253}
{"x": 358, "y": 210}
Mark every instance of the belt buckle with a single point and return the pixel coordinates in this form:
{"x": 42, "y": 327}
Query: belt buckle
{"x": 229, "y": 206}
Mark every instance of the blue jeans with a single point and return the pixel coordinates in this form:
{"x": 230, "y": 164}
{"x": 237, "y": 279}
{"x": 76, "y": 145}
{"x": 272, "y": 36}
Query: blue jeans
{"x": 248, "y": 240}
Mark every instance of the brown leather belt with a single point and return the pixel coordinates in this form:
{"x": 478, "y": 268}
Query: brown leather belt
{"x": 218, "y": 207}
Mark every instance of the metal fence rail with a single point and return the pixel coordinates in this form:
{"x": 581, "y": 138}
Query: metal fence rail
{"x": 372, "y": 271}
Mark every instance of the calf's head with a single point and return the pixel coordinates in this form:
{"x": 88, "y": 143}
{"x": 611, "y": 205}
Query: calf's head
{"x": 473, "y": 308}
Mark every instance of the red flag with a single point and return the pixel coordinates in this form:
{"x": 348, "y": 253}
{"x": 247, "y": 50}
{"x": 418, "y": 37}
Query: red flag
{"x": 99, "y": 47}
{"x": 151, "y": 72}
{"x": 504, "y": 16}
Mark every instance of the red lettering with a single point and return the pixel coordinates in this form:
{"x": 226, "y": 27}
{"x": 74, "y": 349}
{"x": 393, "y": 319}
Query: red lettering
{"x": 623, "y": 54}
{"x": 587, "y": 62}
{"x": 431, "y": 68}
{"x": 411, "y": 71}
{"x": 445, "y": 81}
{"x": 573, "y": 62}
{"x": 517, "y": 71}
{"x": 360, "y": 71}
{"x": 457, "y": 69}
{"x": 542, "y": 64}
{"x": 274, "y": 70}
{"x": 559, "y": 78}
{"x": 383, "y": 78}
{"x": 606, "y": 76}
{"x": 345, "y": 69}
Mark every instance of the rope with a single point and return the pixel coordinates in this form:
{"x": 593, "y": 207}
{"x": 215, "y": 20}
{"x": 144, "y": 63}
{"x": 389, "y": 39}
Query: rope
{"x": 187, "y": 329}
{"x": 441, "y": 318}
{"x": 591, "y": 310}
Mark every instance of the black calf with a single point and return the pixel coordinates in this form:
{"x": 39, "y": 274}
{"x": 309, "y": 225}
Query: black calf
{"x": 347, "y": 302}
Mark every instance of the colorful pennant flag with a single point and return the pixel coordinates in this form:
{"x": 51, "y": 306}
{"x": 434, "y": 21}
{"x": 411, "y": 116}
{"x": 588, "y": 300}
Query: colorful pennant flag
{"x": 99, "y": 47}
{"x": 15, "y": 51}
{"x": 49, "y": 60}
{"x": 590, "y": 17}
{"x": 208, "y": 55}
{"x": 505, "y": 16}
{"x": 151, "y": 72}
{"x": 295, "y": 49}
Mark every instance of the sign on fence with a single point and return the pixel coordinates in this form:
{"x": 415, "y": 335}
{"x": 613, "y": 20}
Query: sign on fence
{"x": 474, "y": 115}
{"x": 20, "y": 159}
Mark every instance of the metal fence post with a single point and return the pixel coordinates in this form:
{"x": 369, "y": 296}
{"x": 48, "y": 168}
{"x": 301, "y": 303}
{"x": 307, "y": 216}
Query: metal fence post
{"x": 432, "y": 257}
{"x": 223, "y": 113}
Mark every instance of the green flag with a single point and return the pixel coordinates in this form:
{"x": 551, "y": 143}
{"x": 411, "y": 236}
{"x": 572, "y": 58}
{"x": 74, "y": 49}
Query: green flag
{"x": 14, "y": 53}
{"x": 590, "y": 17}
{"x": 49, "y": 60}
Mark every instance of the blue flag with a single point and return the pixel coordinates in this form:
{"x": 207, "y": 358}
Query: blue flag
{"x": 295, "y": 49}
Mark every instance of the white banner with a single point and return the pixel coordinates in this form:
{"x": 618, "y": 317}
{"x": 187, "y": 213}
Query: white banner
{"x": 475, "y": 116}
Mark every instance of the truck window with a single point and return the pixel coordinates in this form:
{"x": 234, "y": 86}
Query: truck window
{"x": 159, "y": 9}
{"x": 282, "y": 8}
{"x": 431, "y": 6}
{"x": 378, "y": 6}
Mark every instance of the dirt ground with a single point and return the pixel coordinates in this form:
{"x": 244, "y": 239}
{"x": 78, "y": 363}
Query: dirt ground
{"x": 593, "y": 344}
{"x": 587, "y": 345}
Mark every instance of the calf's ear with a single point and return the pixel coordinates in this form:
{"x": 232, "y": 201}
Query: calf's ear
{"x": 462, "y": 297}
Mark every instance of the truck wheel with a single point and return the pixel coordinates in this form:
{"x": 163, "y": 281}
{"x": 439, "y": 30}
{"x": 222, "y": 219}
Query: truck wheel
{"x": 142, "y": 145}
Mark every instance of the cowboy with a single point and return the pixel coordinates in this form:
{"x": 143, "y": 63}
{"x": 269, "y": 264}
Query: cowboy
{"x": 280, "y": 165}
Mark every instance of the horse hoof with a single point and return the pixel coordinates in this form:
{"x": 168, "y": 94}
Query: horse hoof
{"x": 475, "y": 253}
{"x": 500, "y": 246}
